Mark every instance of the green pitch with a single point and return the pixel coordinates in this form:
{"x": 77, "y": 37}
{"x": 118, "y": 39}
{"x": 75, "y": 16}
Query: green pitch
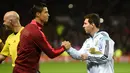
{"x": 70, "y": 67}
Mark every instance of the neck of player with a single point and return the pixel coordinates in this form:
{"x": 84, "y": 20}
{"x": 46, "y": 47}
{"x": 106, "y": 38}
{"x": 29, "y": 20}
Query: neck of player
{"x": 94, "y": 31}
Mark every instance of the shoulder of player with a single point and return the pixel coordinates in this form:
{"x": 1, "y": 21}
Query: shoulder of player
{"x": 87, "y": 40}
{"x": 36, "y": 32}
{"x": 103, "y": 35}
{"x": 31, "y": 29}
{"x": 10, "y": 36}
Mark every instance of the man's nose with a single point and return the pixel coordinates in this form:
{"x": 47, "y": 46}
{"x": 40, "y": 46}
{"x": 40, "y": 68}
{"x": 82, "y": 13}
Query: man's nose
{"x": 83, "y": 25}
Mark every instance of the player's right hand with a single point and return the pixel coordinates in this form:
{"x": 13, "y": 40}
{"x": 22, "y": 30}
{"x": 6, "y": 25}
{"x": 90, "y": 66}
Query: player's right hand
{"x": 67, "y": 44}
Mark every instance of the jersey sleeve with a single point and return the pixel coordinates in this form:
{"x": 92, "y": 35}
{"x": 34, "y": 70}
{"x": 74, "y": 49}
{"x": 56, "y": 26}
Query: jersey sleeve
{"x": 76, "y": 54}
{"x": 45, "y": 46}
{"x": 5, "y": 50}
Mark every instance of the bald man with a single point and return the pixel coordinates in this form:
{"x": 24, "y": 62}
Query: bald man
{"x": 11, "y": 22}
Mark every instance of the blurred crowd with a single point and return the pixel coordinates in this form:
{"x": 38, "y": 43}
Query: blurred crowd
{"x": 57, "y": 32}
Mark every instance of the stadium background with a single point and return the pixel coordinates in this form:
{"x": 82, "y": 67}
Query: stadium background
{"x": 65, "y": 23}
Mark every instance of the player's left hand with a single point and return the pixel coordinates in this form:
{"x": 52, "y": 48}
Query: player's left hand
{"x": 67, "y": 44}
{"x": 84, "y": 56}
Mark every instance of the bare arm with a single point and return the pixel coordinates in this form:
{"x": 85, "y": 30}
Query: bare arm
{"x": 1, "y": 45}
{"x": 2, "y": 57}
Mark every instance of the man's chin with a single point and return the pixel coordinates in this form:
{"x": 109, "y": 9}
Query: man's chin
{"x": 46, "y": 21}
{"x": 9, "y": 30}
{"x": 87, "y": 32}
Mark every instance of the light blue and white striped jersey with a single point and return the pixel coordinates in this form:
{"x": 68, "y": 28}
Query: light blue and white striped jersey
{"x": 97, "y": 63}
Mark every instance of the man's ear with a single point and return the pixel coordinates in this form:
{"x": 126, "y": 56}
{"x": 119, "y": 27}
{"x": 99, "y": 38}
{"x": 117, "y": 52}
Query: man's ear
{"x": 93, "y": 24}
{"x": 11, "y": 22}
{"x": 37, "y": 14}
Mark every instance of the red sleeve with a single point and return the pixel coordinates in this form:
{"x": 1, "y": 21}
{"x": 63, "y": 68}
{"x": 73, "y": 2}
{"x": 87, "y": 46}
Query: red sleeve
{"x": 44, "y": 45}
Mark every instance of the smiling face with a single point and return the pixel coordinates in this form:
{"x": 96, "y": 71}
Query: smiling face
{"x": 7, "y": 22}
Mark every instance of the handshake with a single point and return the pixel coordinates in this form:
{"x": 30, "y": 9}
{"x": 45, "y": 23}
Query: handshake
{"x": 66, "y": 44}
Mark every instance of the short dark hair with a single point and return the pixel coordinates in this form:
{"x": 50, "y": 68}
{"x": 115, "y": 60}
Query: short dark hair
{"x": 93, "y": 18}
{"x": 37, "y": 8}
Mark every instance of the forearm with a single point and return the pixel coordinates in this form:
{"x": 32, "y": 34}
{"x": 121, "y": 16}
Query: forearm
{"x": 45, "y": 46}
{"x": 74, "y": 53}
{"x": 98, "y": 58}
{"x": 2, "y": 57}
{"x": 1, "y": 45}
{"x": 52, "y": 52}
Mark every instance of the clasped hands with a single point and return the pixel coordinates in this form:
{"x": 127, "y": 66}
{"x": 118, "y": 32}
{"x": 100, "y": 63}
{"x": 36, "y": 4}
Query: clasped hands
{"x": 66, "y": 44}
